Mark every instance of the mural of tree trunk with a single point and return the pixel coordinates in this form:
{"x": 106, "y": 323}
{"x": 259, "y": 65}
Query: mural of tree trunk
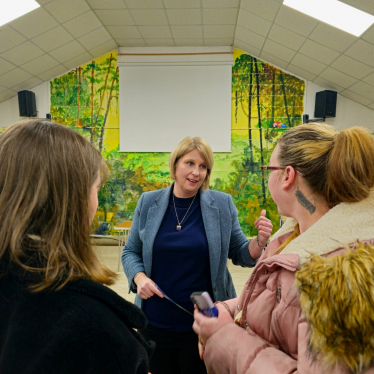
{"x": 79, "y": 69}
{"x": 281, "y": 78}
{"x": 260, "y": 127}
{"x": 236, "y": 106}
{"x": 272, "y": 99}
{"x": 250, "y": 112}
{"x": 92, "y": 98}
{"x": 115, "y": 79}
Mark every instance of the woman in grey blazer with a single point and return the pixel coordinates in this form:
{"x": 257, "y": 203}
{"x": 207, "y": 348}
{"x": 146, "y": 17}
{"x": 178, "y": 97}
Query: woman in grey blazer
{"x": 180, "y": 240}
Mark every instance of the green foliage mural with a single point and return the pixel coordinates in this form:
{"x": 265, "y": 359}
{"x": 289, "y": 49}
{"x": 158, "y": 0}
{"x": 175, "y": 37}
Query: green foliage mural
{"x": 265, "y": 102}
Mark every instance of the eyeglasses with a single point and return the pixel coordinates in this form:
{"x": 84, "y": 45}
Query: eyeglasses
{"x": 270, "y": 168}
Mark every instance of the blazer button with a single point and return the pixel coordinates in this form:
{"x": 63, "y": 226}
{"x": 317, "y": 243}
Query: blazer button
{"x": 215, "y": 288}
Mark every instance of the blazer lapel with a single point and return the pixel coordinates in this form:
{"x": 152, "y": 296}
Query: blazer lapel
{"x": 212, "y": 226}
{"x": 155, "y": 216}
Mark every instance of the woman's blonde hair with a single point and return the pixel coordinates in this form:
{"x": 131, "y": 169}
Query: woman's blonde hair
{"x": 338, "y": 164}
{"x": 186, "y": 145}
{"x": 46, "y": 175}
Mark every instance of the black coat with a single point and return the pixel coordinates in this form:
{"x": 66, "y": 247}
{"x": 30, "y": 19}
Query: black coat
{"x": 84, "y": 328}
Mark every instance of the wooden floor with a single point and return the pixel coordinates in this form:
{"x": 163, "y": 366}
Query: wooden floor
{"x": 109, "y": 256}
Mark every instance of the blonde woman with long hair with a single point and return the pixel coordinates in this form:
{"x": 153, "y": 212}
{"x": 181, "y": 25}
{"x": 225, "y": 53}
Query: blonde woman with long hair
{"x": 308, "y": 305}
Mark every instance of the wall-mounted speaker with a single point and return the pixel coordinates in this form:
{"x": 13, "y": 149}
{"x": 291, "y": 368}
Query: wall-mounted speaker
{"x": 27, "y": 104}
{"x": 325, "y": 104}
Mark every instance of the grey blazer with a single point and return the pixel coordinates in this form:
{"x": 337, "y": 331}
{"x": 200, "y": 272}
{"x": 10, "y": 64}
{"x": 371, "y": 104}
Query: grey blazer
{"x": 225, "y": 238}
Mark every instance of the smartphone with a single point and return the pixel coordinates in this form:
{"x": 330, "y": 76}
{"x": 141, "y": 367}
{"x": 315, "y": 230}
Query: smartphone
{"x": 204, "y": 303}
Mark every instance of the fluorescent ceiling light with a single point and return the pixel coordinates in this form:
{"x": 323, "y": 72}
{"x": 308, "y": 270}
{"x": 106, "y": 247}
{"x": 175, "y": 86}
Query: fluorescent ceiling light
{"x": 335, "y": 13}
{"x": 12, "y": 9}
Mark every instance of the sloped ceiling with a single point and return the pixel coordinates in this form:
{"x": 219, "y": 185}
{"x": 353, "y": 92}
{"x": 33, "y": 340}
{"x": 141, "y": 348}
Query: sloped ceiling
{"x": 63, "y": 34}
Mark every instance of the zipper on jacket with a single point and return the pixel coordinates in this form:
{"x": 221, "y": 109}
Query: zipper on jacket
{"x": 279, "y": 289}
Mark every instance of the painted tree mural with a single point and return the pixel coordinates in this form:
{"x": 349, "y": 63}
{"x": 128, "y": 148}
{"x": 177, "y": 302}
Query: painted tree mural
{"x": 265, "y": 102}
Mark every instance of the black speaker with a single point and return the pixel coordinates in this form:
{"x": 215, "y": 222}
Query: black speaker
{"x": 325, "y": 104}
{"x": 27, "y": 104}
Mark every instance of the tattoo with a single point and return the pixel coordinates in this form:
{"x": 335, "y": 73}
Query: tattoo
{"x": 304, "y": 201}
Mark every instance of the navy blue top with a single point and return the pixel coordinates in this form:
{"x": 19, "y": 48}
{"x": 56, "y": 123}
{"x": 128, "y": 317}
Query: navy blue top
{"x": 180, "y": 265}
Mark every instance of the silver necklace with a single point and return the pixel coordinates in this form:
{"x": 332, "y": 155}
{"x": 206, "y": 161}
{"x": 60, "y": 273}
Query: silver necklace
{"x": 179, "y": 226}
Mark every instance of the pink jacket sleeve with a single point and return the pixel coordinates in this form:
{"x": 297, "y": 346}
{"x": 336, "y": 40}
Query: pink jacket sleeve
{"x": 233, "y": 350}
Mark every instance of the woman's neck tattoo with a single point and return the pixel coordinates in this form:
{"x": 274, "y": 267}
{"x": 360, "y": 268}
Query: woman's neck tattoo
{"x": 304, "y": 201}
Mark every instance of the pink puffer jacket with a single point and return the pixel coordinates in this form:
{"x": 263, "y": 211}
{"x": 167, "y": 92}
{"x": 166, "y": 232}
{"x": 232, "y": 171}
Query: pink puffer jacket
{"x": 274, "y": 334}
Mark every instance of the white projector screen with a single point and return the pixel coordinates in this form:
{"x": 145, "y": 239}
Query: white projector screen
{"x": 161, "y": 105}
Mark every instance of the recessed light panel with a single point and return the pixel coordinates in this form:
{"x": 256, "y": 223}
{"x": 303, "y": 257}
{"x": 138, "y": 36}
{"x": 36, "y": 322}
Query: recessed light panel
{"x": 334, "y": 13}
{"x": 12, "y": 9}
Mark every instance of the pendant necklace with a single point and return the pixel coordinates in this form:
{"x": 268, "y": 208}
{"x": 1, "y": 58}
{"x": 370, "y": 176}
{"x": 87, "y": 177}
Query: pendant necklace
{"x": 179, "y": 226}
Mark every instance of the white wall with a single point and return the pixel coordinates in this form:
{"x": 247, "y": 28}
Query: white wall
{"x": 348, "y": 112}
{"x": 9, "y": 110}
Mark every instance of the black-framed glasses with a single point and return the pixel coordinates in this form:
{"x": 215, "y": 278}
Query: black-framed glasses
{"x": 270, "y": 168}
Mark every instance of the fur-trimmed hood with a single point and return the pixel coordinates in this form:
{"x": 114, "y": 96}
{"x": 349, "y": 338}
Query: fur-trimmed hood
{"x": 336, "y": 285}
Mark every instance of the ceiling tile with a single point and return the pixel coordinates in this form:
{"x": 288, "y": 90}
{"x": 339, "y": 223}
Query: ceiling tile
{"x": 188, "y": 42}
{"x": 219, "y": 3}
{"x": 5, "y": 66}
{"x": 159, "y": 42}
{"x": 78, "y": 61}
{"x": 328, "y": 85}
{"x": 363, "y": 89}
{"x": 332, "y": 37}
{"x": 7, "y": 95}
{"x": 368, "y": 35}
{"x": 67, "y": 51}
{"x": 351, "y": 67}
{"x": 371, "y": 106}
{"x": 104, "y": 48}
{"x": 337, "y": 77}
{"x": 286, "y": 37}
{"x": 22, "y": 53}
{"x": 105, "y": 4}
{"x": 40, "y": 64}
{"x": 123, "y": 32}
{"x": 184, "y": 16}
{"x": 34, "y": 23}
{"x": 43, "y": 2}
{"x": 362, "y": 51}
{"x": 153, "y": 17}
{"x": 2, "y": 89}
{"x": 318, "y": 52}
{"x": 295, "y": 21}
{"x": 253, "y": 22}
{"x": 364, "y": 5}
{"x": 144, "y": 4}
{"x": 217, "y": 31}
{"x": 9, "y": 38}
{"x": 187, "y": 31}
{"x": 14, "y": 77}
{"x": 95, "y": 38}
{"x": 357, "y": 98}
{"x": 219, "y": 41}
{"x": 155, "y": 32}
{"x": 182, "y": 3}
{"x": 267, "y": 9}
{"x": 300, "y": 72}
{"x": 220, "y": 16}
{"x": 53, "y": 73}
{"x": 65, "y": 10}
{"x": 52, "y": 39}
{"x": 26, "y": 85}
{"x": 253, "y": 51}
{"x": 249, "y": 37}
{"x": 278, "y": 50}
{"x": 120, "y": 17}
{"x": 83, "y": 24}
{"x": 273, "y": 60}
{"x": 308, "y": 64}
{"x": 130, "y": 42}
{"x": 369, "y": 79}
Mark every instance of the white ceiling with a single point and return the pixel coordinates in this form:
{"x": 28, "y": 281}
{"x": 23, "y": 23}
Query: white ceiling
{"x": 63, "y": 34}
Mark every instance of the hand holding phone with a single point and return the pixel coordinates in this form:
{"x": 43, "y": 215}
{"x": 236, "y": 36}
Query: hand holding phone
{"x": 204, "y": 303}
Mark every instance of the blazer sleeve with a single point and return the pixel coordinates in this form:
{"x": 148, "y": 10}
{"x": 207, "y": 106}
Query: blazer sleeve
{"x": 132, "y": 257}
{"x": 233, "y": 350}
{"x": 238, "y": 249}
